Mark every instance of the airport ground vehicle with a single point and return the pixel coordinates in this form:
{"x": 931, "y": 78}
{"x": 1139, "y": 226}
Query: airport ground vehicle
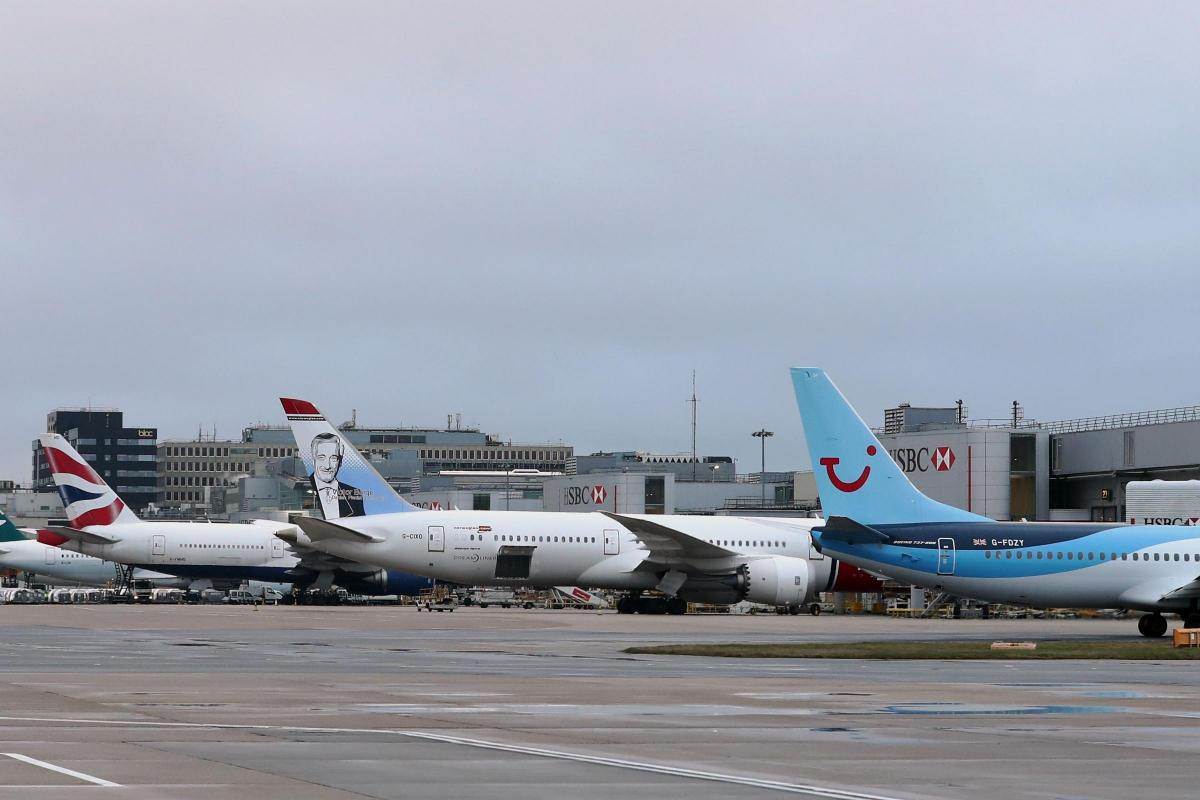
{"x": 878, "y": 520}
{"x": 711, "y": 559}
{"x": 505, "y": 598}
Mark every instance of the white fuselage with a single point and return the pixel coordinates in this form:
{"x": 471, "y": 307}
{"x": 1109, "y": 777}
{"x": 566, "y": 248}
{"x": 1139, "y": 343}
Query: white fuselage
{"x": 586, "y": 549}
{"x": 196, "y": 549}
{"x": 58, "y": 567}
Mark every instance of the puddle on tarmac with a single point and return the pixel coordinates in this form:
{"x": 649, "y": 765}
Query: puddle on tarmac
{"x": 964, "y": 710}
{"x": 572, "y": 710}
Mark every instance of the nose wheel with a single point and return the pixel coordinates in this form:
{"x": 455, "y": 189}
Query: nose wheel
{"x": 1152, "y": 626}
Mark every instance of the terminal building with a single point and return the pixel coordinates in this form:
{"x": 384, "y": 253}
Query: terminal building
{"x": 125, "y": 457}
{"x": 1069, "y": 470}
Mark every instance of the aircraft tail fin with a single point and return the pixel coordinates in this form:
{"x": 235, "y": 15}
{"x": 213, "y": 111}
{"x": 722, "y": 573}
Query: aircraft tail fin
{"x": 87, "y": 498}
{"x": 345, "y": 483}
{"x": 8, "y": 531}
{"x": 856, "y": 477}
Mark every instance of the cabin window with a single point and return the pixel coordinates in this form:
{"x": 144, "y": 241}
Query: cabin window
{"x": 987, "y": 553}
{"x": 1008, "y": 553}
{"x": 1039, "y": 555}
{"x": 1177, "y": 556}
{"x": 1091, "y": 556}
{"x": 1101, "y": 555}
{"x": 1185, "y": 556}
{"x": 1069, "y": 556}
{"x": 1081, "y": 556}
{"x": 1156, "y": 556}
{"x": 1018, "y": 555}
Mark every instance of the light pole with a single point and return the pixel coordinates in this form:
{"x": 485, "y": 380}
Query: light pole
{"x": 762, "y": 435}
{"x": 507, "y": 495}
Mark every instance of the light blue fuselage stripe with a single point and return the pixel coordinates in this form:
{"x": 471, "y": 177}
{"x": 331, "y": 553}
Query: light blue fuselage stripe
{"x": 970, "y": 560}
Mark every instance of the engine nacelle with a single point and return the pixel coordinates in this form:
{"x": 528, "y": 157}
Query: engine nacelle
{"x": 381, "y": 582}
{"x": 775, "y": 581}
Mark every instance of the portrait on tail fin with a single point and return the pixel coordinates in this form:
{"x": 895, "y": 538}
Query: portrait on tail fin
{"x": 338, "y": 499}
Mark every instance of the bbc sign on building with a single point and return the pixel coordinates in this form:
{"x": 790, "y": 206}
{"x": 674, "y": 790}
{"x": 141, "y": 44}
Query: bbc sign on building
{"x": 1000, "y": 473}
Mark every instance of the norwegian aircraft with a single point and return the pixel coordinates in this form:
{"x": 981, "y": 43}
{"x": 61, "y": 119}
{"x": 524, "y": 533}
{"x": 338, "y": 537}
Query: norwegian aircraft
{"x": 52, "y": 565}
{"x": 709, "y": 559}
{"x": 217, "y": 553}
{"x": 876, "y": 519}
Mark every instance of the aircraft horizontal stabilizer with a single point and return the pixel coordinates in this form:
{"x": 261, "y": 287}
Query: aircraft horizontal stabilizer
{"x": 85, "y": 537}
{"x": 322, "y": 530}
{"x": 844, "y": 529}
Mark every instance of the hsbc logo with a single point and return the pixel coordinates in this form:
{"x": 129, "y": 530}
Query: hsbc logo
{"x": 1165, "y": 520}
{"x": 923, "y": 459}
{"x": 584, "y": 495}
{"x": 943, "y": 459}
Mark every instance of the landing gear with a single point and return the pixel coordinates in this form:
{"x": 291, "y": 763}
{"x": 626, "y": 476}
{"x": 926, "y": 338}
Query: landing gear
{"x": 815, "y": 609}
{"x": 677, "y": 605}
{"x": 1152, "y": 626}
{"x": 1191, "y": 619}
{"x": 627, "y": 604}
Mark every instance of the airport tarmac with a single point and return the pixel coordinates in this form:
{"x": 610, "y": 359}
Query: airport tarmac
{"x": 191, "y": 702}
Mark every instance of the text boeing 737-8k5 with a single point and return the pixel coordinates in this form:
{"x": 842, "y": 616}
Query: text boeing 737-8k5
{"x": 711, "y": 559}
{"x": 877, "y": 519}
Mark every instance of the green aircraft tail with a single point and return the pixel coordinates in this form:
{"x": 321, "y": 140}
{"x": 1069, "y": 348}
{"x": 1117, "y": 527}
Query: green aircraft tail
{"x": 8, "y": 531}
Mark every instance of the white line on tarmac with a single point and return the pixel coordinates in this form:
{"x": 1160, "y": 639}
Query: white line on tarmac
{"x": 640, "y": 766}
{"x": 55, "y": 768}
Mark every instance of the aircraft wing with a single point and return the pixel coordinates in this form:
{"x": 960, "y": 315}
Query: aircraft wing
{"x": 669, "y": 544}
{"x": 1185, "y": 592}
{"x": 318, "y": 561}
{"x": 320, "y": 529}
{"x": 86, "y": 537}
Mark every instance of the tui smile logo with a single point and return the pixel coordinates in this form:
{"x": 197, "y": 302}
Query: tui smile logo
{"x": 847, "y": 486}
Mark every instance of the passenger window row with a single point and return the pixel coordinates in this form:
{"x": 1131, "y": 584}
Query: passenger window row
{"x": 1090, "y": 556}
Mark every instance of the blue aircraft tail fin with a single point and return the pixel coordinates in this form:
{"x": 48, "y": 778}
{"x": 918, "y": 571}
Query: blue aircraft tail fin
{"x": 856, "y": 478}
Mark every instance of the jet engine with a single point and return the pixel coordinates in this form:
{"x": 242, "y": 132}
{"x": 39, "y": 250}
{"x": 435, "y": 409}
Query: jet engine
{"x": 381, "y": 581}
{"x": 775, "y": 581}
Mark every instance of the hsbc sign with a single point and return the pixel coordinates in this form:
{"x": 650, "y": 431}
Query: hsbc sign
{"x": 584, "y": 495}
{"x": 923, "y": 459}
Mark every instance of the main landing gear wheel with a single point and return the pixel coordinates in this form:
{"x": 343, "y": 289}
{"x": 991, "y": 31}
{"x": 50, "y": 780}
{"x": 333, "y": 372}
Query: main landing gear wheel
{"x": 626, "y": 605}
{"x": 1191, "y": 620}
{"x": 1152, "y": 626}
{"x": 815, "y": 609}
{"x": 677, "y": 605}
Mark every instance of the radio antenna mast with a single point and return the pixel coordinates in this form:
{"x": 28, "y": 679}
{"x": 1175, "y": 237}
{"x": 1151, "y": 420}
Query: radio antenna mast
{"x": 694, "y": 403}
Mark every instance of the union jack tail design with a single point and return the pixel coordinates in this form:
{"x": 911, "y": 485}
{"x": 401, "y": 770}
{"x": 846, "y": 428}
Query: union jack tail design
{"x": 88, "y": 499}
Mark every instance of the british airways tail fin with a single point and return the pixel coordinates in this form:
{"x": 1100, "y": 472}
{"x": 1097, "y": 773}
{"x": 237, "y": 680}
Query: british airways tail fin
{"x": 345, "y": 483}
{"x": 856, "y": 478}
{"x": 87, "y": 498}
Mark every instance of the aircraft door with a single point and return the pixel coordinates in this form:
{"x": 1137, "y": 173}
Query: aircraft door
{"x": 158, "y": 545}
{"x": 945, "y": 557}
{"x": 51, "y": 555}
{"x": 276, "y": 548}
{"x": 437, "y": 538}
{"x": 612, "y": 542}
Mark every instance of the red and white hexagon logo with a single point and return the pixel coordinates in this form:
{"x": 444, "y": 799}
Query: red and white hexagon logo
{"x": 599, "y": 493}
{"x": 943, "y": 459}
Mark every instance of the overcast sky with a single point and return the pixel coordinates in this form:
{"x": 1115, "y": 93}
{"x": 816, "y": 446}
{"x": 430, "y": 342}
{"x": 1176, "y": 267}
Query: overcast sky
{"x": 545, "y": 215}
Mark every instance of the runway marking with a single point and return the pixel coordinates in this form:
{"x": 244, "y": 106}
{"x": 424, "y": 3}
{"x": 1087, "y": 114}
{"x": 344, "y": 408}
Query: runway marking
{"x": 55, "y": 768}
{"x": 562, "y": 755}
